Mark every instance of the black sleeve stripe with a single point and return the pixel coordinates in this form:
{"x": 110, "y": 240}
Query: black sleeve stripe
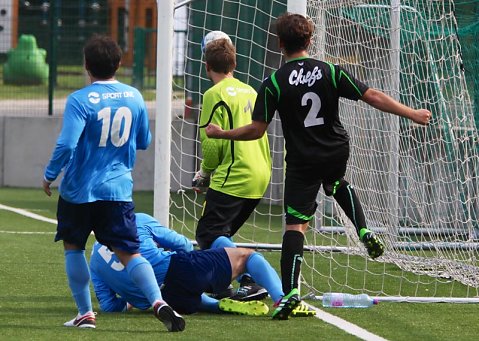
{"x": 232, "y": 145}
{"x": 217, "y": 105}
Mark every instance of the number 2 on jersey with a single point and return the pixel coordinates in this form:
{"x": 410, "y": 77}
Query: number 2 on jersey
{"x": 312, "y": 118}
{"x": 118, "y": 138}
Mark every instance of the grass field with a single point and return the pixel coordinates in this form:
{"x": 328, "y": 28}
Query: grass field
{"x": 35, "y": 299}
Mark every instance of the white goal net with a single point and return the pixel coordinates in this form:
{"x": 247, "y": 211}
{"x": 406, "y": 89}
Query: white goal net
{"x": 418, "y": 186}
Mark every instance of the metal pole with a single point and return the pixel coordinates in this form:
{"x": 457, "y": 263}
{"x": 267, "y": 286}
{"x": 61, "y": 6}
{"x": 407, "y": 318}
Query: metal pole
{"x": 52, "y": 58}
{"x": 407, "y": 299}
{"x": 395, "y": 61}
{"x": 162, "y": 136}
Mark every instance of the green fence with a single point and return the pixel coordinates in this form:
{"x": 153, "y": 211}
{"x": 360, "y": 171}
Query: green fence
{"x": 60, "y": 29}
{"x": 47, "y": 64}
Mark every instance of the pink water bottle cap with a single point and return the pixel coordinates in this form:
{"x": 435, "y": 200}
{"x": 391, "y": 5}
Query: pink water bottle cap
{"x": 375, "y": 301}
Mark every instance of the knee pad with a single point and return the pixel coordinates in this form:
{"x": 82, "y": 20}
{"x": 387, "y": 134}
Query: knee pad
{"x": 331, "y": 188}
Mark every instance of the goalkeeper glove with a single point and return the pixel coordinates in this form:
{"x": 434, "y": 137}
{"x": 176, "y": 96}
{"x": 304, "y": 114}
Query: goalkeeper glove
{"x": 201, "y": 181}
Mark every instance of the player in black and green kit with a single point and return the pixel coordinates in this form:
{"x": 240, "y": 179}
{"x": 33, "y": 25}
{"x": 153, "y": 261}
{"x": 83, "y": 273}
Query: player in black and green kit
{"x": 240, "y": 170}
{"x": 306, "y": 93}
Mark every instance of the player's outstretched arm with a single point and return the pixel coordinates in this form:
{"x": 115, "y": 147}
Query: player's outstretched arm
{"x": 162, "y": 235}
{"x": 383, "y": 102}
{"x": 252, "y": 131}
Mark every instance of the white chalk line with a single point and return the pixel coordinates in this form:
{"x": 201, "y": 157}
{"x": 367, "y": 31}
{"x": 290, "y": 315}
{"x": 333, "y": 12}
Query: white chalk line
{"x": 348, "y": 327}
{"x": 25, "y": 232}
{"x": 27, "y": 214}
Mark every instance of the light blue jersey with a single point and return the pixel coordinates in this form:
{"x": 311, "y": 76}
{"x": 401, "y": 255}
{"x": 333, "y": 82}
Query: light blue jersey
{"x": 112, "y": 285}
{"x": 103, "y": 126}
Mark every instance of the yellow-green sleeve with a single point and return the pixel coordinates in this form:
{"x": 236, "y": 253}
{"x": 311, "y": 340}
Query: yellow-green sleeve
{"x": 211, "y": 149}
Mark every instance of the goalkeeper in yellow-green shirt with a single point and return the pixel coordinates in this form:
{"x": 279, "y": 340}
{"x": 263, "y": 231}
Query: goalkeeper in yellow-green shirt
{"x": 235, "y": 174}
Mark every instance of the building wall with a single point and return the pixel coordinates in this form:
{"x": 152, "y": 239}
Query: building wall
{"x": 26, "y": 144}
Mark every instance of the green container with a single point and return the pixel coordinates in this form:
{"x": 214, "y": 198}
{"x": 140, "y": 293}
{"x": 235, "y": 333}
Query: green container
{"x": 26, "y": 63}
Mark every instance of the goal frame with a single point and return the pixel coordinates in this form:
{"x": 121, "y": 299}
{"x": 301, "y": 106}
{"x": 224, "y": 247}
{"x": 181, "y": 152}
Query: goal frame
{"x": 163, "y": 132}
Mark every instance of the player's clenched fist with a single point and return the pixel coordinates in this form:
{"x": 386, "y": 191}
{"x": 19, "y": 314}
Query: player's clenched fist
{"x": 422, "y": 116}
{"x": 213, "y": 131}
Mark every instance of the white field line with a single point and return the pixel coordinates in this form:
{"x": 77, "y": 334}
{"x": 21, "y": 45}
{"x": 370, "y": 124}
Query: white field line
{"x": 27, "y": 214}
{"x": 25, "y": 232}
{"x": 348, "y": 327}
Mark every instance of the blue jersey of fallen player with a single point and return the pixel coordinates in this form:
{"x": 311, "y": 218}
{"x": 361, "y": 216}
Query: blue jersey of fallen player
{"x": 103, "y": 126}
{"x": 113, "y": 287}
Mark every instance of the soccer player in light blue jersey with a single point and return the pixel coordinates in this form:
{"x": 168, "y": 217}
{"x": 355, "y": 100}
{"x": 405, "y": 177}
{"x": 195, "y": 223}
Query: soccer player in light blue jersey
{"x": 112, "y": 285}
{"x": 103, "y": 125}
{"x": 184, "y": 275}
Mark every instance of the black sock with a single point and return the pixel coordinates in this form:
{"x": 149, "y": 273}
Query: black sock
{"x": 291, "y": 258}
{"x": 346, "y": 197}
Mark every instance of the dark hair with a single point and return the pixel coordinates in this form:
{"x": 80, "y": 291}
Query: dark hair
{"x": 102, "y": 56}
{"x": 294, "y": 32}
{"x": 220, "y": 55}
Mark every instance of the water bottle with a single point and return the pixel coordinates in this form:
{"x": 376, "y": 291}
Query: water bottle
{"x": 340, "y": 300}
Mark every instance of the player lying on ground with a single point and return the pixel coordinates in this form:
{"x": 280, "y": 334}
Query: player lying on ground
{"x": 184, "y": 275}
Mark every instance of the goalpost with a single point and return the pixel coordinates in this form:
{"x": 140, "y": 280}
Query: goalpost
{"x": 418, "y": 186}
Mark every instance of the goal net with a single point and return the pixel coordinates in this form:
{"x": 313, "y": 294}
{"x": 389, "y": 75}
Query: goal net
{"x": 418, "y": 185}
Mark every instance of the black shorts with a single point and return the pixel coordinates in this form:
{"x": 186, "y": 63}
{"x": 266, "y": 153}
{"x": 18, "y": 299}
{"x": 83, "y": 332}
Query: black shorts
{"x": 223, "y": 215}
{"x": 113, "y": 222}
{"x": 302, "y": 184}
{"x": 193, "y": 273}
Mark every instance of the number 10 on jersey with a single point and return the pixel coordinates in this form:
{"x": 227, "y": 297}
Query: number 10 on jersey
{"x": 118, "y": 137}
